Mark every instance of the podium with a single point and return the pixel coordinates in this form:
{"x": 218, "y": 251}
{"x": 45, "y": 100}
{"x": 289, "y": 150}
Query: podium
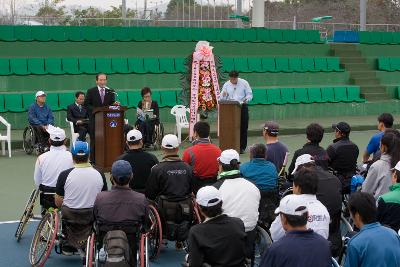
{"x": 109, "y": 135}
{"x": 229, "y": 125}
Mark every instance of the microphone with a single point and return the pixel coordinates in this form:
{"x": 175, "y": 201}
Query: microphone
{"x": 111, "y": 91}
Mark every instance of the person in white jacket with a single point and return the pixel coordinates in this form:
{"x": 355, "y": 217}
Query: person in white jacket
{"x": 305, "y": 184}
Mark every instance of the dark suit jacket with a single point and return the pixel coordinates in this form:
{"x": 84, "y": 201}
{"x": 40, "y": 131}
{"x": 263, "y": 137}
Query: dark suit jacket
{"x": 93, "y": 99}
{"x": 74, "y": 114}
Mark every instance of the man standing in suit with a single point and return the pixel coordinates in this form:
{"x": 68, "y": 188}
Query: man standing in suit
{"x": 78, "y": 115}
{"x": 98, "y": 96}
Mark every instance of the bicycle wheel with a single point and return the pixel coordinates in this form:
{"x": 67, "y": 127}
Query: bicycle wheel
{"x": 43, "y": 240}
{"x": 27, "y": 215}
{"x": 262, "y": 242}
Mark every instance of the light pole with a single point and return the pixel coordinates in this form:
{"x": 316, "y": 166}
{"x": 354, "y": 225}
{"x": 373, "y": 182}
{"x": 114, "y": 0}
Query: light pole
{"x": 363, "y": 15}
{"x": 123, "y": 11}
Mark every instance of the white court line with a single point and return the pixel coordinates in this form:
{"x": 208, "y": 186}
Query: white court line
{"x": 31, "y": 220}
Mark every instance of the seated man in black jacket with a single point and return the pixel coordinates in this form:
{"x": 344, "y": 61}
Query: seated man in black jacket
{"x": 220, "y": 240}
{"x": 78, "y": 115}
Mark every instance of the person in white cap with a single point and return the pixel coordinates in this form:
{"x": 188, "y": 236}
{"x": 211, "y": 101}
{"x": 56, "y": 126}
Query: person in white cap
{"x": 50, "y": 164}
{"x": 220, "y": 239}
{"x": 140, "y": 160}
{"x": 241, "y": 198}
{"x": 301, "y": 246}
{"x": 305, "y": 185}
{"x": 40, "y": 117}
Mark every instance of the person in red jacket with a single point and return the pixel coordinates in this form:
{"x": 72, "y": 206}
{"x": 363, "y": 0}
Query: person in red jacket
{"x": 202, "y": 156}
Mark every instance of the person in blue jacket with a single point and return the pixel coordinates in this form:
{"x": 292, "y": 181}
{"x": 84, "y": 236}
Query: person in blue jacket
{"x": 375, "y": 245}
{"x": 40, "y": 117}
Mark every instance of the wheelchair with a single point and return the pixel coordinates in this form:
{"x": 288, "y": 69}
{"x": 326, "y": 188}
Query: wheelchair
{"x": 32, "y": 141}
{"x": 262, "y": 241}
{"x": 94, "y": 257}
{"x": 158, "y": 134}
{"x": 162, "y": 228}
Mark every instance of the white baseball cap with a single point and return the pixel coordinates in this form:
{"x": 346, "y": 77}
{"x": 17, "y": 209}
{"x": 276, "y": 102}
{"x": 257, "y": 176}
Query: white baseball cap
{"x": 397, "y": 167}
{"x": 56, "y": 133}
{"x": 40, "y": 93}
{"x": 292, "y": 205}
{"x": 228, "y": 155}
{"x": 303, "y": 159}
{"x": 208, "y": 196}
{"x": 134, "y": 135}
{"x": 170, "y": 141}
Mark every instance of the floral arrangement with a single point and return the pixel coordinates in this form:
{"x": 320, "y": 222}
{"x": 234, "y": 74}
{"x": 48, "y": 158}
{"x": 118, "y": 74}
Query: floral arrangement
{"x": 206, "y": 96}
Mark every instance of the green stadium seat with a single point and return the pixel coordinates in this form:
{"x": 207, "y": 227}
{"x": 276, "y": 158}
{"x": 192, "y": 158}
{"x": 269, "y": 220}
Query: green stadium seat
{"x": 182, "y": 34}
{"x": 375, "y": 38}
{"x": 341, "y": 94}
{"x": 276, "y": 36}
{"x": 333, "y": 64}
{"x": 36, "y": 66}
{"x": 396, "y": 37}
{"x": 19, "y": 66}
{"x": 282, "y": 64}
{"x": 7, "y": 33}
{"x": 301, "y": 95}
{"x": 196, "y": 34}
{"x": 119, "y": 65}
{"x": 122, "y": 34}
{"x": 241, "y": 64}
{"x": 274, "y": 96}
{"x": 227, "y": 64}
{"x": 302, "y": 36}
{"x": 236, "y": 35}
{"x": 57, "y": 33}
{"x": 28, "y": 99}
{"x": 321, "y": 64}
{"x": 23, "y": 33}
{"x": 384, "y": 64}
{"x": 307, "y": 64}
{"x": 314, "y": 37}
{"x": 135, "y": 65}
{"x": 134, "y": 97}
{"x": 259, "y": 97}
{"x": 137, "y": 34}
{"x": 13, "y": 102}
{"x": 74, "y": 33}
{"x": 40, "y": 33}
{"x": 250, "y": 35}
{"x": 387, "y": 38}
{"x": 353, "y": 94}
{"x": 4, "y": 66}
{"x": 328, "y": 94}
{"x": 289, "y": 36}
{"x": 167, "y": 65}
{"x": 364, "y": 37}
{"x": 104, "y": 65}
{"x": 71, "y": 66}
{"x": 255, "y": 64}
{"x": 314, "y": 95}
{"x": 122, "y": 98}
{"x": 395, "y": 64}
{"x": 295, "y": 64}
{"x": 166, "y": 34}
{"x": 268, "y": 64}
{"x": 65, "y": 99}
{"x": 180, "y": 65}
{"x": 223, "y": 34}
{"x": 87, "y": 65}
{"x": 53, "y": 66}
{"x": 150, "y": 34}
{"x": 52, "y": 101}
{"x": 106, "y": 34}
{"x": 2, "y": 108}
{"x": 288, "y": 96}
{"x": 151, "y": 65}
{"x": 264, "y": 35}
{"x": 168, "y": 98}
{"x": 89, "y": 33}
{"x": 210, "y": 35}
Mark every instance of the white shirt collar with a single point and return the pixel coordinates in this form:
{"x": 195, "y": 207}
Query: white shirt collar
{"x": 59, "y": 148}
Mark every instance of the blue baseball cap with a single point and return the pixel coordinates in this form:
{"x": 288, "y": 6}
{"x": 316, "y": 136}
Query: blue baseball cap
{"x": 120, "y": 169}
{"x": 80, "y": 148}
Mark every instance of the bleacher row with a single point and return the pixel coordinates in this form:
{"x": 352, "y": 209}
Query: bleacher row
{"x": 389, "y": 63}
{"x": 383, "y": 38}
{"x": 169, "y": 98}
{"x": 56, "y": 66}
{"x": 154, "y": 34}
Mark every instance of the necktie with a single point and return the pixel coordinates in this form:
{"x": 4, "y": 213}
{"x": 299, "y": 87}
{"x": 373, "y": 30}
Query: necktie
{"x": 102, "y": 95}
{"x": 80, "y": 108}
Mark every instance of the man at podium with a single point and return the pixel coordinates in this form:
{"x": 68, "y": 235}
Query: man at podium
{"x": 98, "y": 96}
{"x": 237, "y": 89}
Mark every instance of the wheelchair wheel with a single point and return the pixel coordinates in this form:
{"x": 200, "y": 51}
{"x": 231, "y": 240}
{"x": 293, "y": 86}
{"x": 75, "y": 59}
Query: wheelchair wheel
{"x": 43, "y": 240}
{"x": 287, "y": 192}
{"x": 262, "y": 242}
{"x": 143, "y": 257}
{"x": 29, "y": 140}
{"x": 155, "y": 233}
{"x": 345, "y": 226}
{"x": 90, "y": 250}
{"x": 27, "y": 215}
{"x": 158, "y": 136}
{"x": 196, "y": 213}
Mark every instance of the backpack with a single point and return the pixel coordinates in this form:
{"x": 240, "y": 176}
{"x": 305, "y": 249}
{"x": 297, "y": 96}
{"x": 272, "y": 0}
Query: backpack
{"x": 116, "y": 246}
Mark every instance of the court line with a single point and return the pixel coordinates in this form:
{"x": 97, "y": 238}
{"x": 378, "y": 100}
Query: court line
{"x": 8, "y": 222}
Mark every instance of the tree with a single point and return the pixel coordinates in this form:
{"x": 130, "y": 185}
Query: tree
{"x": 51, "y": 8}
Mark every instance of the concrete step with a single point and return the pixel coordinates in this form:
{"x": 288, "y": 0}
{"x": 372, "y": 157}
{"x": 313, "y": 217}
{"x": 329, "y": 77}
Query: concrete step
{"x": 344, "y": 47}
{"x": 347, "y": 53}
{"x": 365, "y": 81}
{"x": 357, "y": 66}
{"x": 352, "y": 60}
{"x": 362, "y": 74}
{"x": 368, "y": 89}
{"x": 375, "y": 96}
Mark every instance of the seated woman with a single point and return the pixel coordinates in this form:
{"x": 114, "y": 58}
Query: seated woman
{"x": 148, "y": 116}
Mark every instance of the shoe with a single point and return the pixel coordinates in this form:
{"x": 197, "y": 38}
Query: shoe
{"x": 178, "y": 245}
{"x": 68, "y": 250}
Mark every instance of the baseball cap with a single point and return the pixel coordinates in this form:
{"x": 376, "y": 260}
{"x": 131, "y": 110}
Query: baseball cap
{"x": 303, "y": 159}
{"x": 271, "y": 127}
{"x": 208, "y": 196}
{"x": 170, "y": 141}
{"x": 134, "y": 135}
{"x": 56, "y": 133}
{"x": 40, "y": 93}
{"x": 80, "y": 148}
{"x": 397, "y": 167}
{"x": 292, "y": 205}
{"x": 343, "y": 127}
{"x": 121, "y": 168}
{"x": 228, "y": 155}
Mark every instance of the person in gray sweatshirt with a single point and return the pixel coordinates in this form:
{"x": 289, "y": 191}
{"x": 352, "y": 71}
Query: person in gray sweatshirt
{"x": 378, "y": 179}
